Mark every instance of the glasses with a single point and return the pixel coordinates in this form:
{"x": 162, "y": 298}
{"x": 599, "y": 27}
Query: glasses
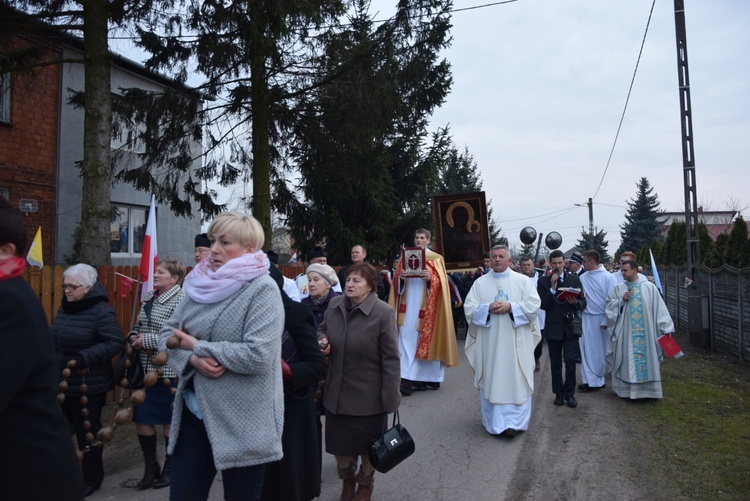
{"x": 71, "y": 287}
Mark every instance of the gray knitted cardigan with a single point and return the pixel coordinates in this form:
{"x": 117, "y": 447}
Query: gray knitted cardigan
{"x": 243, "y": 410}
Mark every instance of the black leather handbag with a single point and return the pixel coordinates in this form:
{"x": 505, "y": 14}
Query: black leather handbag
{"x": 132, "y": 371}
{"x": 391, "y": 447}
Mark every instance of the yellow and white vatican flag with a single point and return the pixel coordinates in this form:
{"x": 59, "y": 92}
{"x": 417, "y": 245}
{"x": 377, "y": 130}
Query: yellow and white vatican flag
{"x": 34, "y": 257}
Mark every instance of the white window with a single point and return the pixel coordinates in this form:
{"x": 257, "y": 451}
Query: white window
{"x": 127, "y": 229}
{"x": 5, "y": 98}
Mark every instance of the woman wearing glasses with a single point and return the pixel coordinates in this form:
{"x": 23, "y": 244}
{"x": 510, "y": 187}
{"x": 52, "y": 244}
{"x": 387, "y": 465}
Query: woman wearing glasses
{"x": 86, "y": 330}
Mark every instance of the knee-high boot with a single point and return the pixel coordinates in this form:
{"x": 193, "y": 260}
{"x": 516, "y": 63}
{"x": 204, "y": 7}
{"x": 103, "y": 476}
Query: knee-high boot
{"x": 364, "y": 487}
{"x": 167, "y": 470}
{"x": 349, "y": 476}
{"x": 151, "y": 470}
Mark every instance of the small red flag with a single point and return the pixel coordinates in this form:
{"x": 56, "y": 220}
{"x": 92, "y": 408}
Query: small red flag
{"x": 123, "y": 285}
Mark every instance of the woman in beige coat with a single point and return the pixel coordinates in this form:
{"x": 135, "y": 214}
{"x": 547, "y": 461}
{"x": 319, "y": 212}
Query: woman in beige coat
{"x": 363, "y": 376}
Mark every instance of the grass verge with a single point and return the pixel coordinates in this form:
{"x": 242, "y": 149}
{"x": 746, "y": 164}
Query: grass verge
{"x": 700, "y": 430}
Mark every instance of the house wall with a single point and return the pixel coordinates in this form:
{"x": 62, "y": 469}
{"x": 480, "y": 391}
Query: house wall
{"x": 174, "y": 234}
{"x": 28, "y": 144}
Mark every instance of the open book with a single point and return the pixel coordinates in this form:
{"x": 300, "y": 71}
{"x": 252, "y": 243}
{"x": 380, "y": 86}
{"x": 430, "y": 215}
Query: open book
{"x": 564, "y": 293}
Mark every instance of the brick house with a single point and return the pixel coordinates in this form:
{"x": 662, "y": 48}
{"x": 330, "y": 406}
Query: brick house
{"x": 41, "y": 142}
{"x": 29, "y": 109}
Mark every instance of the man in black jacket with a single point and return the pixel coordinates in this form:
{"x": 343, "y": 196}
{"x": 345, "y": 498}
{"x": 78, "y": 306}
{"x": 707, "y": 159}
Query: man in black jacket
{"x": 558, "y": 327}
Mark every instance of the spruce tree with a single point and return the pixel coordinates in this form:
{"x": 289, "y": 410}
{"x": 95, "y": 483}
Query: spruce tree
{"x": 642, "y": 224}
{"x": 600, "y": 244}
{"x": 368, "y": 167}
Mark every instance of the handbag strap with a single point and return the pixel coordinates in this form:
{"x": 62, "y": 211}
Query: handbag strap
{"x": 385, "y": 426}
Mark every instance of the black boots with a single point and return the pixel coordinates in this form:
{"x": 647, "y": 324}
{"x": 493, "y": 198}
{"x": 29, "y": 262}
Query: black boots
{"x": 164, "y": 478}
{"x": 151, "y": 471}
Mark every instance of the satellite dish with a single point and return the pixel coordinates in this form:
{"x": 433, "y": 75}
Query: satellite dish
{"x": 528, "y": 235}
{"x": 553, "y": 240}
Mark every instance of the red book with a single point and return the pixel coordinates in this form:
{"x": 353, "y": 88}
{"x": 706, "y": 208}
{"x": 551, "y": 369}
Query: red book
{"x": 670, "y": 346}
{"x": 565, "y": 292}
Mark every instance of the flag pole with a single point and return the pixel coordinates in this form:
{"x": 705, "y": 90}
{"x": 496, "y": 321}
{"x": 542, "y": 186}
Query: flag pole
{"x": 132, "y": 311}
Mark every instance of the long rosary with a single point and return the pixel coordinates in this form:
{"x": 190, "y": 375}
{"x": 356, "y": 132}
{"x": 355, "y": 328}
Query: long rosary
{"x": 123, "y": 414}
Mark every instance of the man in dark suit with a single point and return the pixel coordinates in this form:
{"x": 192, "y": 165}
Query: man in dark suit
{"x": 558, "y": 327}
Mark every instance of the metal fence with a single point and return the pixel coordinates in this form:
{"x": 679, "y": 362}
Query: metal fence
{"x": 726, "y": 305}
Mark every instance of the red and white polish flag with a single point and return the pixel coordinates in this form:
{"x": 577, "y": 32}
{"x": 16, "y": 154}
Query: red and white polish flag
{"x": 148, "y": 253}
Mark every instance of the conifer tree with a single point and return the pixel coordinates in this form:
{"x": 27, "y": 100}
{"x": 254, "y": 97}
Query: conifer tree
{"x": 641, "y": 224}
{"x": 600, "y": 244}
{"x": 368, "y": 170}
{"x": 715, "y": 257}
{"x": 737, "y": 251}
{"x": 674, "y": 250}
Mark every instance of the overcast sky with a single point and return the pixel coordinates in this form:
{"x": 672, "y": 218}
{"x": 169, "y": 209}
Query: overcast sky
{"x": 539, "y": 89}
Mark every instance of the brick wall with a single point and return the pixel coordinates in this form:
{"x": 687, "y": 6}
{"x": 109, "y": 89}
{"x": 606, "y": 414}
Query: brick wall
{"x": 28, "y": 144}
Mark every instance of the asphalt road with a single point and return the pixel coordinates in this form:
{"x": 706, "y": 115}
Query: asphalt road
{"x": 582, "y": 453}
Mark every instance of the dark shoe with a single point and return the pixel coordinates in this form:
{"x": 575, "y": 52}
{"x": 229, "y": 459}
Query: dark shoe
{"x": 583, "y": 387}
{"x": 151, "y": 469}
{"x": 406, "y": 390}
{"x": 421, "y": 387}
{"x": 364, "y": 487}
{"x": 349, "y": 476}
{"x": 510, "y": 432}
{"x": 164, "y": 480}
{"x": 433, "y": 386}
{"x": 571, "y": 401}
{"x": 89, "y": 490}
{"x": 559, "y": 399}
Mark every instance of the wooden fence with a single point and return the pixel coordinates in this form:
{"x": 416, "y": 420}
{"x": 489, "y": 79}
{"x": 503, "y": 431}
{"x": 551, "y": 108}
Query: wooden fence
{"x": 47, "y": 283}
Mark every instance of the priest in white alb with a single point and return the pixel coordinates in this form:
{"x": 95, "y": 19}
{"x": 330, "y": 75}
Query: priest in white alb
{"x": 502, "y": 308}
{"x": 595, "y": 342}
{"x": 636, "y": 318}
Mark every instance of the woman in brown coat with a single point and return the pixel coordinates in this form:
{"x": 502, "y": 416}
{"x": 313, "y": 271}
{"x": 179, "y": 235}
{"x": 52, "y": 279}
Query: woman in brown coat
{"x": 363, "y": 376}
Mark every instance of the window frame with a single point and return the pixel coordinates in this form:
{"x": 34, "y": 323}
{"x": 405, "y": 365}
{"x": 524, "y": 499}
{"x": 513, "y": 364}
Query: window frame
{"x": 132, "y": 224}
{"x": 5, "y": 90}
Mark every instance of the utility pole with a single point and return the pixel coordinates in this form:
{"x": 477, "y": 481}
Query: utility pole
{"x": 592, "y": 243}
{"x": 695, "y": 305}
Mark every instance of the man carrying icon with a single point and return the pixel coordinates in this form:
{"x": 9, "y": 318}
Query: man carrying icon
{"x": 427, "y": 339}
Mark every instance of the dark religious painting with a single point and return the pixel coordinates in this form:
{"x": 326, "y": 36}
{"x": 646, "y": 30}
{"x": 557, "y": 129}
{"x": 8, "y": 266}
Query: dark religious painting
{"x": 461, "y": 229}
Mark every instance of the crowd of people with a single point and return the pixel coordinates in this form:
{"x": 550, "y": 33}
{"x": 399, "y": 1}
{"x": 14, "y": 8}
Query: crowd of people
{"x": 254, "y": 368}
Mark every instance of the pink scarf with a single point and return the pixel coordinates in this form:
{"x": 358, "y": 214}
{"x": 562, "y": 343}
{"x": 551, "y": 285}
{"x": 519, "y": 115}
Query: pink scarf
{"x": 207, "y": 286}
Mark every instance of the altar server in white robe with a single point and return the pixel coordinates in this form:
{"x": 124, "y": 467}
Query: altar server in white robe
{"x": 595, "y": 342}
{"x": 502, "y": 307}
{"x": 636, "y": 317}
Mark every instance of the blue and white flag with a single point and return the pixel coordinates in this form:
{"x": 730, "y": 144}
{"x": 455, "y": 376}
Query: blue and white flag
{"x": 655, "y": 271}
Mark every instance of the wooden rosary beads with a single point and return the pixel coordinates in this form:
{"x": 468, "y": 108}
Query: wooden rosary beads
{"x": 123, "y": 414}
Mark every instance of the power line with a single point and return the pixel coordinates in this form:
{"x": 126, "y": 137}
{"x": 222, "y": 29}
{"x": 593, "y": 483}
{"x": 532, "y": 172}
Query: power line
{"x": 627, "y": 100}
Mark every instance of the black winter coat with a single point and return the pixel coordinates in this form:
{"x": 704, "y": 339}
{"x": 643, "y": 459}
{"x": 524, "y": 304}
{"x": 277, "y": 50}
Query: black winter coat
{"x": 88, "y": 327}
{"x": 296, "y": 477}
{"x": 37, "y": 460}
